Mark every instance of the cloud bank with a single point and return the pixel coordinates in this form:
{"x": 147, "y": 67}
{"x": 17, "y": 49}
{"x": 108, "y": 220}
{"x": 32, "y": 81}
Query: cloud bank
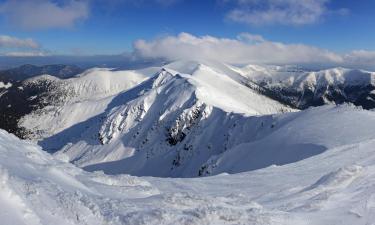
{"x": 247, "y": 49}
{"x": 44, "y": 14}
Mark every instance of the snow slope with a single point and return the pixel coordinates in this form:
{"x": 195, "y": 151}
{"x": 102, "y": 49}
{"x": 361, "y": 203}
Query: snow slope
{"x": 334, "y": 187}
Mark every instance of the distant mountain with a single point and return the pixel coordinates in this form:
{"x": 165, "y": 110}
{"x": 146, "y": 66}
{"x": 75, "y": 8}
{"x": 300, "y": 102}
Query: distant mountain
{"x": 27, "y": 71}
{"x": 302, "y": 89}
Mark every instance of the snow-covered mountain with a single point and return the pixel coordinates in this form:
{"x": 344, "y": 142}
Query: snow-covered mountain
{"x": 170, "y": 119}
{"x": 302, "y": 89}
{"x": 186, "y": 119}
{"x": 290, "y": 86}
{"x": 190, "y": 117}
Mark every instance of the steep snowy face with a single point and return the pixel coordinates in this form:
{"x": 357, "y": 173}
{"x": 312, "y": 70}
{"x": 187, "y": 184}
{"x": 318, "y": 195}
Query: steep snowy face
{"x": 303, "y": 89}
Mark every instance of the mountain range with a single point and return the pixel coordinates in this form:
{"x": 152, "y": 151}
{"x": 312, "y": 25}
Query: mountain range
{"x": 186, "y": 118}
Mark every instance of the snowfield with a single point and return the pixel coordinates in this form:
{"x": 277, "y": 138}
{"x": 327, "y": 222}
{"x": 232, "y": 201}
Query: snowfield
{"x": 333, "y": 187}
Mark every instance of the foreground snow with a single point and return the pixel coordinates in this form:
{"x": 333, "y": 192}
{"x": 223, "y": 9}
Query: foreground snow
{"x": 333, "y": 187}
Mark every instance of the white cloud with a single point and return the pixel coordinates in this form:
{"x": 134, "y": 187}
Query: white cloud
{"x": 248, "y": 49}
{"x": 13, "y": 42}
{"x": 285, "y": 12}
{"x": 44, "y": 14}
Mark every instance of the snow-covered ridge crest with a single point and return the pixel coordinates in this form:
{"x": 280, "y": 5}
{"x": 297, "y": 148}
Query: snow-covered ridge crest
{"x": 221, "y": 86}
{"x": 94, "y": 83}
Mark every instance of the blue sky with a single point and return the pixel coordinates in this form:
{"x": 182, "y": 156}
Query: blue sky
{"x": 89, "y": 27}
